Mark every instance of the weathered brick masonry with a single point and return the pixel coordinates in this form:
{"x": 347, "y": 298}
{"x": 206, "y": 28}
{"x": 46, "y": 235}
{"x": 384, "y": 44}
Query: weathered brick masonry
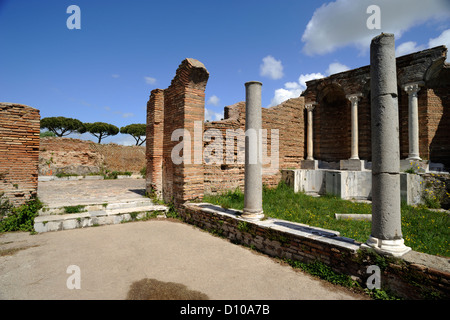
{"x": 19, "y": 152}
{"x": 287, "y": 118}
{"x": 179, "y": 106}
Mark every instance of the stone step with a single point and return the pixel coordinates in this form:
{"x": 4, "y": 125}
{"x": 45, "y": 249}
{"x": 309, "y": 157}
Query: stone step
{"x": 52, "y": 222}
{"x": 61, "y": 209}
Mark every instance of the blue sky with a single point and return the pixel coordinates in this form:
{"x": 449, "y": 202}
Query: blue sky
{"x": 124, "y": 49}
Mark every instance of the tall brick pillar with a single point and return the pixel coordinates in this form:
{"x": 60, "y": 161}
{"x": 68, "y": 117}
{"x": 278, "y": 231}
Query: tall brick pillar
{"x": 179, "y": 107}
{"x": 154, "y": 142}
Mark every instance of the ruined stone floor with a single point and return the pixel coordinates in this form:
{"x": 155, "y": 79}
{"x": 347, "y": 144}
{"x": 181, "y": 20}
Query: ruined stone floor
{"x": 84, "y": 192}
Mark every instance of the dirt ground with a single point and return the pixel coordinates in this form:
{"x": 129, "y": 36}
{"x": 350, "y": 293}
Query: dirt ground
{"x": 112, "y": 262}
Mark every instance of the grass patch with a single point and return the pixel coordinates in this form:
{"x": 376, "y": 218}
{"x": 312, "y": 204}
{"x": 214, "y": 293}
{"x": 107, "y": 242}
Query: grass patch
{"x": 64, "y": 175}
{"x": 423, "y": 230}
{"x": 74, "y": 209}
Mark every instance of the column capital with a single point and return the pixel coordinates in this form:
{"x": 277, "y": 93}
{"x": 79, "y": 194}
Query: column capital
{"x": 413, "y": 87}
{"x": 354, "y": 97}
{"x": 310, "y": 106}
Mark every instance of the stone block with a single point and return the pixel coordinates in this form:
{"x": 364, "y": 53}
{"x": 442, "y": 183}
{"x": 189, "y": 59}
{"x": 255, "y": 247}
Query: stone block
{"x": 411, "y": 188}
{"x": 352, "y": 165}
{"x": 310, "y": 164}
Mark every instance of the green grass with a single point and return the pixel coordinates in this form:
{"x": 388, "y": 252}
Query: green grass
{"x": 74, "y": 209}
{"x": 423, "y": 230}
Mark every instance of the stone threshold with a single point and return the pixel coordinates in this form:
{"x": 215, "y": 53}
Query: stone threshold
{"x": 56, "y": 222}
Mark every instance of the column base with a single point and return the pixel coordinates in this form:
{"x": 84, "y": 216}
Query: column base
{"x": 352, "y": 164}
{"x": 418, "y": 165}
{"x": 394, "y": 248}
{"x": 252, "y": 215}
{"x": 310, "y": 164}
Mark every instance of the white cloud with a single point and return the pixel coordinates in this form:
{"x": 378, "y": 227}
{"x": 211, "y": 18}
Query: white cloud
{"x": 150, "y": 80}
{"x": 407, "y": 48}
{"x": 213, "y": 100}
{"x": 344, "y": 22}
{"x": 211, "y": 115}
{"x": 443, "y": 39}
{"x": 336, "y": 67}
{"x": 115, "y": 76}
{"x": 293, "y": 89}
{"x": 307, "y": 77}
{"x": 271, "y": 68}
{"x": 282, "y": 95}
{"x": 127, "y": 115}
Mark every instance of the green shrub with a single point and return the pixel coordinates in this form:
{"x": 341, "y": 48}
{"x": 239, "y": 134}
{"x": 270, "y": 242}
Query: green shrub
{"x": 21, "y": 218}
{"x": 63, "y": 175}
{"x": 5, "y": 205}
{"x": 143, "y": 172}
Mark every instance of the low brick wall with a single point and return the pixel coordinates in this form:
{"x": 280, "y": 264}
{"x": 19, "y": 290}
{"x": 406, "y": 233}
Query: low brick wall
{"x": 282, "y": 239}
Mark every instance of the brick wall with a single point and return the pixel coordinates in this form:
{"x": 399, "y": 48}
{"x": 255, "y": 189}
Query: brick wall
{"x": 287, "y": 118}
{"x": 19, "y": 152}
{"x": 154, "y": 141}
{"x": 438, "y": 118}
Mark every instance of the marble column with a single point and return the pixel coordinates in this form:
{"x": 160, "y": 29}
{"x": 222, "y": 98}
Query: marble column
{"x": 309, "y": 131}
{"x": 413, "y": 119}
{"x": 354, "y": 98}
{"x": 386, "y": 235}
{"x": 253, "y": 152}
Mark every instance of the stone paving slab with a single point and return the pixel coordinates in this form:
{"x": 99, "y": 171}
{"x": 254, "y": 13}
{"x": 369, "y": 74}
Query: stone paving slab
{"x": 85, "y": 192}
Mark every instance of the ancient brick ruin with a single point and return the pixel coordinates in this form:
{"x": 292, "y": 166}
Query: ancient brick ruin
{"x": 181, "y": 106}
{"x": 423, "y": 74}
{"x": 177, "y": 107}
{"x": 339, "y": 131}
{"x": 19, "y": 149}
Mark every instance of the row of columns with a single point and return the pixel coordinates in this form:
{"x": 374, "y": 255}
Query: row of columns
{"x": 386, "y": 234}
{"x": 413, "y": 123}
